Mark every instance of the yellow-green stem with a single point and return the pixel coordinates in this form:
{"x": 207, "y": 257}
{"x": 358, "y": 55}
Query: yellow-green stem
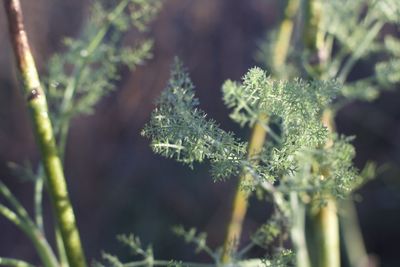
{"x": 239, "y": 205}
{"x": 36, "y": 101}
{"x": 324, "y": 228}
{"x": 240, "y": 200}
{"x": 282, "y": 44}
{"x": 22, "y": 220}
{"x": 352, "y": 236}
{"x": 14, "y": 263}
{"x": 325, "y": 222}
{"x": 326, "y": 235}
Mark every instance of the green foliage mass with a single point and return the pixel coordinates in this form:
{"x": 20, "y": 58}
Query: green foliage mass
{"x": 360, "y": 39}
{"x": 349, "y": 33}
{"x": 294, "y": 159}
{"x": 178, "y": 129}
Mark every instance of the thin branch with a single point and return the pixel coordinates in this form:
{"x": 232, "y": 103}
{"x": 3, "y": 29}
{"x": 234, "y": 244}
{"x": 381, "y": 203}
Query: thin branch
{"x": 38, "y": 198}
{"x": 43, "y": 248}
{"x": 21, "y": 211}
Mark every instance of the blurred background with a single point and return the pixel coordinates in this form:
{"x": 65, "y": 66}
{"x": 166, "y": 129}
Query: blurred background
{"x": 117, "y": 185}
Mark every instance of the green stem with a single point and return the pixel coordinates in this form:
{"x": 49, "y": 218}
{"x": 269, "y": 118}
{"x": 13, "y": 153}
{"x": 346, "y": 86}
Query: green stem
{"x": 297, "y": 230}
{"x": 257, "y": 140}
{"x": 356, "y": 55}
{"x": 326, "y": 235}
{"x": 352, "y": 236}
{"x": 151, "y": 262}
{"x": 282, "y": 44}
{"x": 323, "y": 241}
{"x": 146, "y": 263}
{"x": 35, "y": 235}
{"x": 62, "y": 254}
{"x": 13, "y": 201}
{"x": 38, "y": 198}
{"x": 239, "y": 205}
{"x": 36, "y": 101}
{"x": 14, "y": 263}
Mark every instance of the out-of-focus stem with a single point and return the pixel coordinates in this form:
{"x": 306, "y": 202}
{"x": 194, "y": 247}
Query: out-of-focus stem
{"x": 14, "y": 263}
{"x": 36, "y": 101}
{"x": 297, "y": 230}
{"x": 352, "y": 236}
{"x": 285, "y": 30}
{"x": 257, "y": 140}
{"x": 239, "y": 205}
{"x": 38, "y": 200}
{"x": 324, "y": 220}
{"x": 35, "y": 235}
{"x": 325, "y": 225}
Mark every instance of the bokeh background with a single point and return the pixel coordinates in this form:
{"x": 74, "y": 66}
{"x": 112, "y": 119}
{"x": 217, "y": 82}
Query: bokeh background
{"x": 118, "y": 185}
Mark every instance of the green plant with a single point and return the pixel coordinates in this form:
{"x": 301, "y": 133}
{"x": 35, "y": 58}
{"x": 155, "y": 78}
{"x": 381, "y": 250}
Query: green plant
{"x": 94, "y": 60}
{"x": 337, "y": 35}
{"x": 293, "y": 160}
{"x": 324, "y": 167}
{"x": 303, "y": 166}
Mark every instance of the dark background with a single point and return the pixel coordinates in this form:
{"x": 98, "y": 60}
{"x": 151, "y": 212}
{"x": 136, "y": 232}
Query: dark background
{"x": 118, "y": 185}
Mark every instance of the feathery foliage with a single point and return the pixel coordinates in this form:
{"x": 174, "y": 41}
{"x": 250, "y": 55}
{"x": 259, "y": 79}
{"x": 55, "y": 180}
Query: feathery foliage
{"x": 88, "y": 69}
{"x": 178, "y": 129}
{"x": 295, "y": 158}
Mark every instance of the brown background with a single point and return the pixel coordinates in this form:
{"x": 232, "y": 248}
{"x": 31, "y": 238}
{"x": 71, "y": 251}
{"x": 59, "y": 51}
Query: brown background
{"x": 118, "y": 185}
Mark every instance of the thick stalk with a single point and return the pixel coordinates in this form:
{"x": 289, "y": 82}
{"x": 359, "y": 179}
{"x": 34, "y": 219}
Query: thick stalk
{"x": 239, "y": 205}
{"x": 325, "y": 223}
{"x": 324, "y": 228}
{"x": 36, "y": 101}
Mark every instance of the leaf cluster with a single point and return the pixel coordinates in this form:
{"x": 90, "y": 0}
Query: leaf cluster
{"x": 88, "y": 69}
{"x": 360, "y": 39}
{"x": 179, "y": 129}
{"x": 295, "y": 158}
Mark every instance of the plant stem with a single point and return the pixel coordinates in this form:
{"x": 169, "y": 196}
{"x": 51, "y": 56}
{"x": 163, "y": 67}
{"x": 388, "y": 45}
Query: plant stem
{"x": 282, "y": 44}
{"x": 239, "y": 205}
{"x": 38, "y": 200}
{"x": 14, "y": 263}
{"x": 297, "y": 231}
{"x": 62, "y": 254}
{"x": 325, "y": 221}
{"x": 352, "y": 236}
{"x": 326, "y": 235}
{"x": 357, "y": 54}
{"x": 257, "y": 139}
{"x": 29, "y": 228}
{"x": 43, "y": 130}
{"x": 324, "y": 230}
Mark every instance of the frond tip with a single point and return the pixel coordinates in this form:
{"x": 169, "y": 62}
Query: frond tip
{"x": 179, "y": 129}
